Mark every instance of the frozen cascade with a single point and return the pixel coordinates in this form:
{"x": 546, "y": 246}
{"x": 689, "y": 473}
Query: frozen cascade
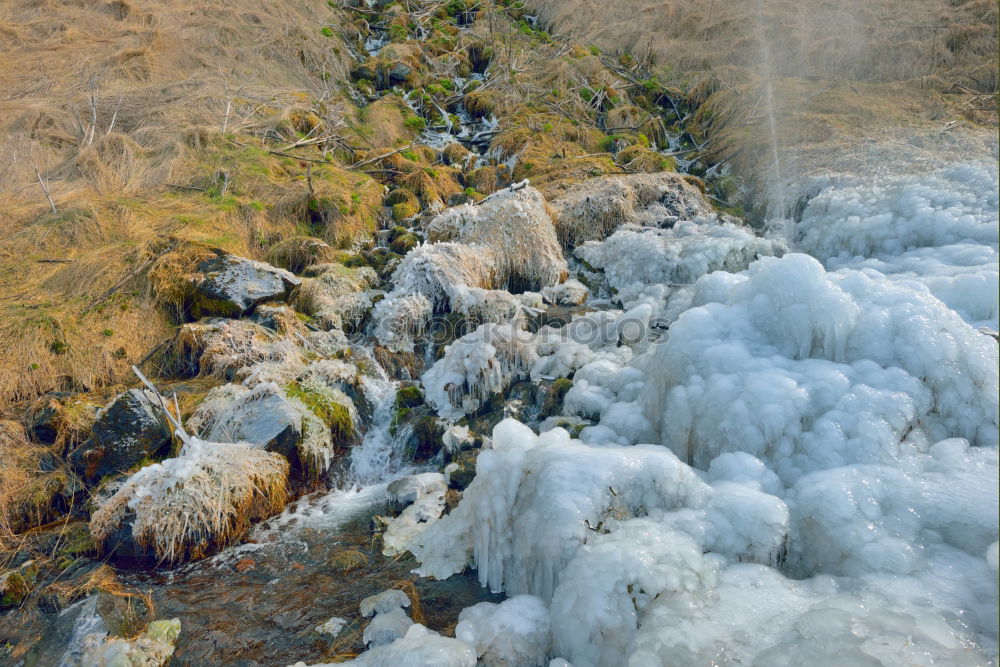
{"x": 823, "y": 481}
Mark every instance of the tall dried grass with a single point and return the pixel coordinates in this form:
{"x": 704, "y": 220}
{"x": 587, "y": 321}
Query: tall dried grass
{"x": 186, "y": 517}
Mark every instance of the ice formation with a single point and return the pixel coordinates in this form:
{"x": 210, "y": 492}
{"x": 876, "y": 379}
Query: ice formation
{"x": 516, "y": 226}
{"x": 822, "y": 483}
{"x": 633, "y": 259}
{"x": 514, "y": 632}
{"x": 419, "y": 647}
{"x": 477, "y": 366}
{"x": 480, "y": 259}
{"x": 849, "y": 367}
{"x": 424, "y": 494}
{"x": 939, "y": 229}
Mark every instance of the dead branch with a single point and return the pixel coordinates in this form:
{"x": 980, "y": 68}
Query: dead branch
{"x": 45, "y": 188}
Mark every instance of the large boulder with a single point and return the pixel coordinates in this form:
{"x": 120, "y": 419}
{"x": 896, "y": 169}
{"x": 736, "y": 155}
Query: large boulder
{"x": 128, "y": 430}
{"x": 262, "y": 417}
{"x": 231, "y": 286}
{"x": 594, "y": 209}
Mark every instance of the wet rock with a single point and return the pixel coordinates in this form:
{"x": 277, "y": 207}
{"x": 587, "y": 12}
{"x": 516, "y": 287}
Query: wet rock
{"x": 399, "y": 72}
{"x": 332, "y": 627}
{"x": 281, "y": 319}
{"x": 465, "y": 469}
{"x": 123, "y": 616}
{"x": 550, "y": 395}
{"x": 16, "y": 584}
{"x": 152, "y": 649}
{"x": 231, "y": 286}
{"x": 409, "y": 396}
{"x": 262, "y": 417}
{"x": 245, "y": 565}
{"x": 365, "y": 71}
{"x": 404, "y": 244}
{"x": 129, "y": 430}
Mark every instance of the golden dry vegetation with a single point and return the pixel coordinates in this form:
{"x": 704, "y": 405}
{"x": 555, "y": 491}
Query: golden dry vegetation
{"x": 850, "y": 85}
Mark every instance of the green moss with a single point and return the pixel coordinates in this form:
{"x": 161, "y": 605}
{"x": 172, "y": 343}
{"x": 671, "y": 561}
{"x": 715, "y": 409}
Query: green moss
{"x": 334, "y": 414}
{"x": 397, "y": 33}
{"x": 404, "y": 210}
{"x": 409, "y": 396}
{"x": 404, "y": 244}
{"x": 15, "y": 589}
{"x": 415, "y": 123}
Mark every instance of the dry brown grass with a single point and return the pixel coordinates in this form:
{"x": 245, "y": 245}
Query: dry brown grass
{"x": 416, "y": 610}
{"x": 162, "y": 80}
{"x": 26, "y": 491}
{"x": 843, "y": 74}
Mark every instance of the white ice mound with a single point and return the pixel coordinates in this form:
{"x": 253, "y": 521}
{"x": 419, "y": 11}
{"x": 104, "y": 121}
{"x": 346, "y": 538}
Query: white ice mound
{"x": 536, "y": 499}
{"x": 477, "y": 366}
{"x": 809, "y": 370}
{"x": 424, "y": 494}
{"x": 633, "y": 259}
{"x": 384, "y": 602}
{"x": 420, "y": 647}
{"x": 596, "y": 611}
{"x": 931, "y": 523}
{"x": 939, "y": 229}
{"x": 755, "y": 616}
{"x": 514, "y": 632}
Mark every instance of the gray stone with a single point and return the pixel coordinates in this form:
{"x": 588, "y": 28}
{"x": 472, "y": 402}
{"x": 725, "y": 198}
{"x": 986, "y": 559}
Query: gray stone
{"x": 233, "y": 285}
{"x": 399, "y": 72}
{"x": 262, "y": 417}
{"x": 127, "y": 431}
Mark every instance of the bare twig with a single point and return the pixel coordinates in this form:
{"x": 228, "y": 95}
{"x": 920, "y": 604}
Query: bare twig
{"x": 114, "y": 117}
{"x": 185, "y": 187}
{"x": 45, "y": 188}
{"x": 381, "y": 157}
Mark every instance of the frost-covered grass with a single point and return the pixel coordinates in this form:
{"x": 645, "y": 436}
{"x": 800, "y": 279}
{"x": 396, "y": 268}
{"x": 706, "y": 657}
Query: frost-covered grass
{"x": 204, "y": 499}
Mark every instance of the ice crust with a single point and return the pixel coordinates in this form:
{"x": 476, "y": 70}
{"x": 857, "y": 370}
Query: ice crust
{"x": 939, "y": 230}
{"x": 804, "y": 470}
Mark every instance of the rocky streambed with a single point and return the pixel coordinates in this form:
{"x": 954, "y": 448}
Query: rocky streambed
{"x": 573, "y": 412}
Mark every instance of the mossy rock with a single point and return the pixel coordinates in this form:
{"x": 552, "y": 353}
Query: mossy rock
{"x": 297, "y": 252}
{"x": 332, "y": 412}
{"x": 403, "y": 211}
{"x": 404, "y": 244}
{"x": 396, "y": 232}
{"x": 641, "y": 159}
{"x": 552, "y": 396}
{"x": 426, "y": 441}
{"x": 465, "y": 460}
{"x": 409, "y": 396}
{"x": 482, "y": 103}
{"x": 399, "y": 196}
